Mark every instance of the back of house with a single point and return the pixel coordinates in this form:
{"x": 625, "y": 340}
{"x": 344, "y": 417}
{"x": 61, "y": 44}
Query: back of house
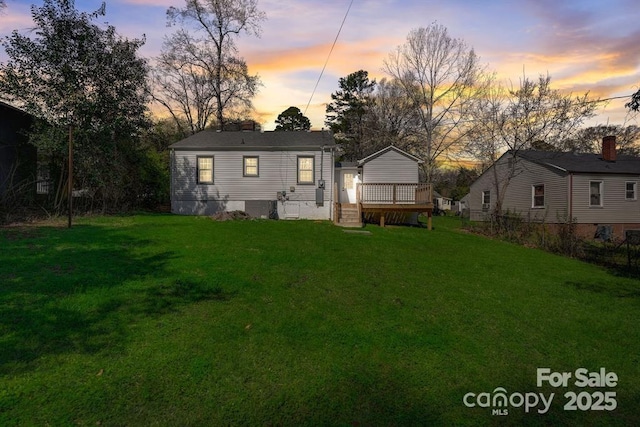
{"x": 266, "y": 174}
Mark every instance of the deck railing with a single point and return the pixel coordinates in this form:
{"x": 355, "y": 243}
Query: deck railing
{"x": 395, "y": 194}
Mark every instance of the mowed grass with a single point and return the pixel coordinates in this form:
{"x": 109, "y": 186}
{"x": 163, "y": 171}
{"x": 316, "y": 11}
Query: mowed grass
{"x": 168, "y": 320}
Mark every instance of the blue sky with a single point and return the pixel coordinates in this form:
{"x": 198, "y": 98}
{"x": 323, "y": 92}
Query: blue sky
{"x": 584, "y": 45}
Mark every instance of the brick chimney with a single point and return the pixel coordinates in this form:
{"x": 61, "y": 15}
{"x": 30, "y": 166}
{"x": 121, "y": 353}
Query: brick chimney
{"x": 609, "y": 148}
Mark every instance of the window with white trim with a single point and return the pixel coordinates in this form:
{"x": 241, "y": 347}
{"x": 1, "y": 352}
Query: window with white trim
{"x": 486, "y": 200}
{"x": 630, "y": 190}
{"x": 595, "y": 193}
{"x": 250, "y": 166}
{"x": 537, "y": 196}
{"x": 305, "y": 169}
{"x": 205, "y": 170}
{"x": 486, "y": 197}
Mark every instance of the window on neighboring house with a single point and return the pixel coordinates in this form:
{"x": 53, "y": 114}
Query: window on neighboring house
{"x": 250, "y": 166}
{"x": 595, "y": 193}
{"x": 486, "y": 199}
{"x": 537, "y": 196}
{"x": 630, "y": 190}
{"x": 305, "y": 169}
{"x": 205, "y": 170}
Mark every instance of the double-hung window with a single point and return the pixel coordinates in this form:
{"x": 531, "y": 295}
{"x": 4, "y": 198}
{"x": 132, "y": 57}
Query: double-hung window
{"x": 630, "y": 190}
{"x": 486, "y": 199}
{"x": 250, "y": 166}
{"x": 595, "y": 193}
{"x": 305, "y": 169}
{"x": 537, "y": 196}
{"x": 205, "y": 170}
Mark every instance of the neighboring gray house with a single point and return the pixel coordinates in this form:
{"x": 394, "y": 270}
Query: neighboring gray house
{"x": 592, "y": 189}
{"x": 266, "y": 174}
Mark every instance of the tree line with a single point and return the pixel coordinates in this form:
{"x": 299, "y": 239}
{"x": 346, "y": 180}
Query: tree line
{"x": 90, "y": 92}
{"x": 90, "y": 89}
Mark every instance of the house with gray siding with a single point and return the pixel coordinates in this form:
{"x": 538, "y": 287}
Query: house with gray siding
{"x": 552, "y": 187}
{"x": 291, "y": 175}
{"x": 390, "y": 165}
{"x": 266, "y": 174}
{"x": 383, "y": 187}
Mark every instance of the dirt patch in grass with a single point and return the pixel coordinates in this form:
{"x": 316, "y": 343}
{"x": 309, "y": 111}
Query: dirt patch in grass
{"x": 19, "y": 232}
{"x": 230, "y": 216}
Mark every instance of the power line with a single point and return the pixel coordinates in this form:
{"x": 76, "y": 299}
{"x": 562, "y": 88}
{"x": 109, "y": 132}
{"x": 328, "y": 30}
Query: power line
{"x": 612, "y": 98}
{"x": 328, "y": 56}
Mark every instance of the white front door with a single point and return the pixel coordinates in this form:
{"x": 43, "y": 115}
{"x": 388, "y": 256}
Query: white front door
{"x": 348, "y": 180}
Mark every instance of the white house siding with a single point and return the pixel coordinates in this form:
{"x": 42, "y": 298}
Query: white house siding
{"x": 615, "y": 209}
{"x": 277, "y": 172}
{"x": 518, "y": 195}
{"x": 390, "y": 167}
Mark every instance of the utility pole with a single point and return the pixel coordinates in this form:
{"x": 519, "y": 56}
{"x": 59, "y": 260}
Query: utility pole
{"x": 70, "y": 189}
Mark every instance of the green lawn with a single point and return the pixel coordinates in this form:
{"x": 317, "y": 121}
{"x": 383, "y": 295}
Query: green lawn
{"x": 167, "y": 320}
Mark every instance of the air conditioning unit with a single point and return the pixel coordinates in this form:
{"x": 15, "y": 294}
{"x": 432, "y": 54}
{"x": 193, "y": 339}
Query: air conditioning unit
{"x": 485, "y": 206}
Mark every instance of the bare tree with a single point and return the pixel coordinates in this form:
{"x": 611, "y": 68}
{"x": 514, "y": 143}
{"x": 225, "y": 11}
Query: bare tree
{"x": 439, "y": 75}
{"x": 391, "y": 118}
{"x": 589, "y": 140}
{"x": 530, "y": 116}
{"x": 199, "y": 74}
{"x": 181, "y": 83}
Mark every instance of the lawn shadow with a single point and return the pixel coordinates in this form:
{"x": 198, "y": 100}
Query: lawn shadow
{"x": 168, "y": 298}
{"x": 79, "y": 292}
{"x": 367, "y": 394}
{"x": 618, "y": 290}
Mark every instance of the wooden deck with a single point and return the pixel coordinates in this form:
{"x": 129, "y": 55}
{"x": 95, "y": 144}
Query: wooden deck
{"x": 388, "y": 201}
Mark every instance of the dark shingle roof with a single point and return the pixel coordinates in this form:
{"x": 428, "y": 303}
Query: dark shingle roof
{"x": 213, "y": 140}
{"x": 583, "y": 162}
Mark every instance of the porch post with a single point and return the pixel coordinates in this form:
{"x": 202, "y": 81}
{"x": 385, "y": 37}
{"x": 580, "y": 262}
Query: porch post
{"x": 359, "y": 200}
{"x": 336, "y": 204}
{"x": 429, "y": 219}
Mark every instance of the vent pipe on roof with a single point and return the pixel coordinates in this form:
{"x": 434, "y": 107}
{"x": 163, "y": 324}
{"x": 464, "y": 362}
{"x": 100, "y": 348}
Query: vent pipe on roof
{"x": 609, "y": 148}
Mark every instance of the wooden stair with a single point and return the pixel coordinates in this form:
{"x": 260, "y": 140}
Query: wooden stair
{"x": 348, "y": 216}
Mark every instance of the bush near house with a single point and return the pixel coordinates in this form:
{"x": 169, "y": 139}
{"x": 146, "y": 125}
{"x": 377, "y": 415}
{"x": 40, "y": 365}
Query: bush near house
{"x": 562, "y": 238}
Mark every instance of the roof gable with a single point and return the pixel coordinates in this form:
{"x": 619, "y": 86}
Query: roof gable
{"x": 236, "y": 140}
{"x": 385, "y": 150}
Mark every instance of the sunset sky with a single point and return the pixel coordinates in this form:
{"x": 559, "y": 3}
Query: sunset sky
{"x": 585, "y": 45}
